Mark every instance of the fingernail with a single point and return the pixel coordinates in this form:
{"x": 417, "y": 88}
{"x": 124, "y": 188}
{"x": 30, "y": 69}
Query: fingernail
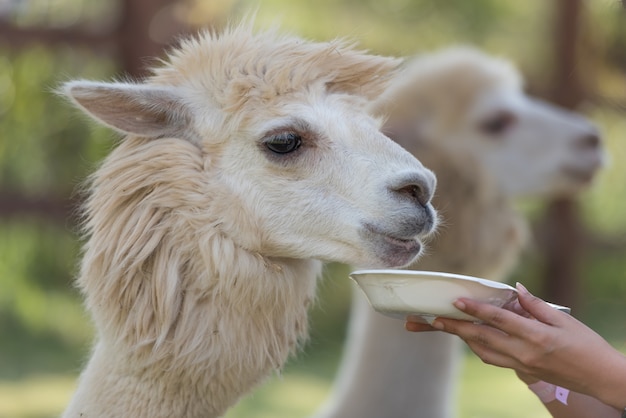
{"x": 437, "y": 324}
{"x": 521, "y": 288}
{"x": 459, "y": 304}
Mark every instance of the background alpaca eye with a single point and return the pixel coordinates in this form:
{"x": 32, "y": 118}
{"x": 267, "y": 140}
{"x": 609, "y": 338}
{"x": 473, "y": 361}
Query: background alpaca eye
{"x": 497, "y": 123}
{"x": 284, "y": 143}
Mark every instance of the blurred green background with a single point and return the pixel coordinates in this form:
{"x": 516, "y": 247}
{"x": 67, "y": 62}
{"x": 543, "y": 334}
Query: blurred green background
{"x": 46, "y": 149}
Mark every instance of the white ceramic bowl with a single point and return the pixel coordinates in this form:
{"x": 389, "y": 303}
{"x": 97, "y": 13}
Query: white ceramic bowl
{"x": 427, "y": 294}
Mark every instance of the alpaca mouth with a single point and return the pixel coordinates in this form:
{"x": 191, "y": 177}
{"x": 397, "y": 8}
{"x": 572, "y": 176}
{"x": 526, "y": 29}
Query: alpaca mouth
{"x": 579, "y": 175}
{"x": 390, "y": 249}
{"x": 406, "y": 244}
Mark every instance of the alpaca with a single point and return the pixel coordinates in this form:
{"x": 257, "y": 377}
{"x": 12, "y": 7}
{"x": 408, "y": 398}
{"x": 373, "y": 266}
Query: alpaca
{"x": 465, "y": 116}
{"x": 248, "y": 159}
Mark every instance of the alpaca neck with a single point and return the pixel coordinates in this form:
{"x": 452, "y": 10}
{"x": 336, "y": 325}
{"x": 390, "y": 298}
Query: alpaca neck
{"x": 220, "y": 346}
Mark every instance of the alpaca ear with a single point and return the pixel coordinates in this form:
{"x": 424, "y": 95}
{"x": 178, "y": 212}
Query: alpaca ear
{"x": 360, "y": 74}
{"x": 130, "y": 108}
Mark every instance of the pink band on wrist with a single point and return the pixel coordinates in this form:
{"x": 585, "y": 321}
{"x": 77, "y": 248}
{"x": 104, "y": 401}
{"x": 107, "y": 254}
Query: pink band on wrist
{"x": 561, "y": 394}
{"x": 547, "y": 392}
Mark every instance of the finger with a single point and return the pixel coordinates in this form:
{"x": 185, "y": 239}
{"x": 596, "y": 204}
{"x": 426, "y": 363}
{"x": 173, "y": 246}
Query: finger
{"x": 537, "y": 307}
{"x": 479, "y": 333}
{"x": 502, "y": 319}
{"x": 418, "y": 327}
{"x": 515, "y": 307}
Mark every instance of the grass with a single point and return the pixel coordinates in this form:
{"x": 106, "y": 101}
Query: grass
{"x": 40, "y": 396}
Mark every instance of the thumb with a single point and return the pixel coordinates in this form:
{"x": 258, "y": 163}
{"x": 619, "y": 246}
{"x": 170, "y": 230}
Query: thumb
{"x": 535, "y": 306}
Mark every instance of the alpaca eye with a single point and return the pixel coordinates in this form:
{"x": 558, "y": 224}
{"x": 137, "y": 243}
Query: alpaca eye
{"x": 498, "y": 123}
{"x": 284, "y": 143}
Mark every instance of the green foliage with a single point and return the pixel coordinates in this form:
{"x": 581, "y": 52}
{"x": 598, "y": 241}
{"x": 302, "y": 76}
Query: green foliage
{"x": 45, "y": 149}
{"x": 38, "y": 303}
{"x": 44, "y": 146}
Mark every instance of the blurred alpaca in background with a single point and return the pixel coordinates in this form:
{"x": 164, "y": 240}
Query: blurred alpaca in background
{"x": 465, "y": 116}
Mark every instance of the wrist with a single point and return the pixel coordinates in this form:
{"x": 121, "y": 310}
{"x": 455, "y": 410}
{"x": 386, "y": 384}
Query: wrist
{"x": 547, "y": 392}
{"x": 612, "y": 391}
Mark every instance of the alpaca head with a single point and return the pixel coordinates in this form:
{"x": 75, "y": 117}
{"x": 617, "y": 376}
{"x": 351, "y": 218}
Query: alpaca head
{"x": 292, "y": 164}
{"x": 474, "y": 104}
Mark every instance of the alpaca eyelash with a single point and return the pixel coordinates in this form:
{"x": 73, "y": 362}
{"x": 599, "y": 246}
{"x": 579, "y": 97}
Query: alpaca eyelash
{"x": 283, "y": 143}
{"x": 300, "y": 131}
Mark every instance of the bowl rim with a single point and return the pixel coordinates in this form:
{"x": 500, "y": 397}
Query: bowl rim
{"x": 415, "y": 274}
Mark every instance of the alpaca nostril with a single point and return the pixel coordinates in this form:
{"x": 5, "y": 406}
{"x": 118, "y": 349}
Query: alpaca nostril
{"x": 416, "y": 193}
{"x": 416, "y": 188}
{"x": 590, "y": 141}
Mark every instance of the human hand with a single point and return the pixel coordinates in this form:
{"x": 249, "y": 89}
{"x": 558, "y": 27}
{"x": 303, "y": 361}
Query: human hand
{"x": 547, "y": 345}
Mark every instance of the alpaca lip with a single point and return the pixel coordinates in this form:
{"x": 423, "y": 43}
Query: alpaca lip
{"x": 406, "y": 244}
{"x": 392, "y": 250}
{"x": 398, "y": 252}
{"x": 578, "y": 174}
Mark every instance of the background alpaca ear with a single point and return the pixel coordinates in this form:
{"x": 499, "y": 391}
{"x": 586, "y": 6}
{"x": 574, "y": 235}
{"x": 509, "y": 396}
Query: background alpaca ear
{"x": 361, "y": 74}
{"x": 130, "y": 108}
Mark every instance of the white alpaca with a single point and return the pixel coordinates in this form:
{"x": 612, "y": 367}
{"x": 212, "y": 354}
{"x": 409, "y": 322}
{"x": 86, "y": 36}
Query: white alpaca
{"x": 464, "y": 115}
{"x": 246, "y": 159}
